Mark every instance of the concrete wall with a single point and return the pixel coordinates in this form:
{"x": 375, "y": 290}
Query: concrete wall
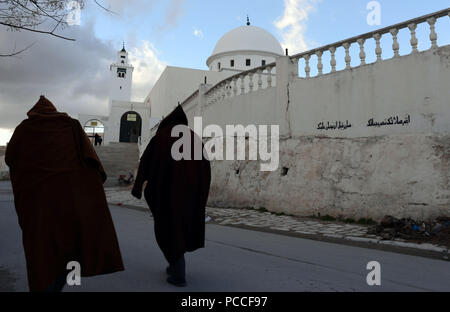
{"x": 175, "y": 84}
{"x": 112, "y": 129}
{"x": 357, "y": 172}
{"x": 240, "y": 60}
{"x": 400, "y": 175}
{"x": 416, "y": 85}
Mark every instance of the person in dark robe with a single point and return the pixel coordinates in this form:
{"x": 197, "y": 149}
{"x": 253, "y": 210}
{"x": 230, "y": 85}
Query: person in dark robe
{"x": 176, "y": 192}
{"x": 57, "y": 182}
{"x": 96, "y": 139}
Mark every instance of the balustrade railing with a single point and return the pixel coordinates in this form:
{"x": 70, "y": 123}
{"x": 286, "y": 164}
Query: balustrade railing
{"x": 377, "y": 35}
{"x": 264, "y": 77}
{"x": 245, "y": 82}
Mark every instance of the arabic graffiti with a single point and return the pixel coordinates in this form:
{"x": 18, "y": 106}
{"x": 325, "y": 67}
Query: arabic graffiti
{"x": 334, "y": 126}
{"x": 390, "y": 122}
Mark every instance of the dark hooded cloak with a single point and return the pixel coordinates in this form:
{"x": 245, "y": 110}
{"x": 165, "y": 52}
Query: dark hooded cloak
{"x": 176, "y": 191}
{"x": 60, "y": 202}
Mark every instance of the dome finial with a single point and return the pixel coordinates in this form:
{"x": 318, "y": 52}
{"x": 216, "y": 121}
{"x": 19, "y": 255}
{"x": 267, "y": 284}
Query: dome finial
{"x": 248, "y": 21}
{"x": 123, "y": 49}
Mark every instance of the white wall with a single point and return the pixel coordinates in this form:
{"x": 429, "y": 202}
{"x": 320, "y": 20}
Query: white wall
{"x": 359, "y": 172}
{"x": 175, "y": 84}
{"x": 112, "y": 129}
{"x": 416, "y": 85}
{"x": 240, "y": 60}
{"x": 120, "y": 88}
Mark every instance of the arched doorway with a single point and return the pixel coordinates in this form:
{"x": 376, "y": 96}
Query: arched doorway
{"x": 93, "y": 127}
{"x": 130, "y": 127}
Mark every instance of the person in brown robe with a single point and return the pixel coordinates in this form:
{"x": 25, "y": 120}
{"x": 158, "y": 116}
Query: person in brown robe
{"x": 57, "y": 182}
{"x": 176, "y": 192}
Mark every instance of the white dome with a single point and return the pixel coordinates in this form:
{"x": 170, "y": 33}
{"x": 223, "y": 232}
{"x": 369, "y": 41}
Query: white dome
{"x": 248, "y": 38}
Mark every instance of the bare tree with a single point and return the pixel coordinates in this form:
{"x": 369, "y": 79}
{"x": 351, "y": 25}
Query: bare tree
{"x": 39, "y": 16}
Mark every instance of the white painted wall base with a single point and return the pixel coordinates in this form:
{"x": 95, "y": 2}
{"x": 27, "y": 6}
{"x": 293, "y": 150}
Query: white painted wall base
{"x": 400, "y": 175}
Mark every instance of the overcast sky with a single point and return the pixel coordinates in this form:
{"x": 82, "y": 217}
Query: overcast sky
{"x": 74, "y": 75}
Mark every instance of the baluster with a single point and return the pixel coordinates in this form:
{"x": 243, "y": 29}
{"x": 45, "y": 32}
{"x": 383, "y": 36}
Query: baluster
{"x": 242, "y": 84}
{"x": 235, "y": 89}
{"x": 395, "y": 45}
{"x": 333, "y": 59}
{"x": 414, "y": 42}
{"x": 307, "y": 68}
{"x": 228, "y": 87}
{"x": 362, "y": 53}
{"x": 348, "y": 58}
{"x": 378, "y": 50}
{"x": 433, "y": 35}
{"x": 269, "y": 76}
{"x": 260, "y": 79}
{"x": 295, "y": 67}
{"x": 224, "y": 90}
{"x": 319, "y": 63}
{"x": 251, "y": 85}
{"x": 217, "y": 94}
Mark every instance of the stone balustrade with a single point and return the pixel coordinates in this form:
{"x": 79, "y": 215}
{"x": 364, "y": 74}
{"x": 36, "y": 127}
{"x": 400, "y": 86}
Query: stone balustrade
{"x": 245, "y": 82}
{"x": 377, "y": 35}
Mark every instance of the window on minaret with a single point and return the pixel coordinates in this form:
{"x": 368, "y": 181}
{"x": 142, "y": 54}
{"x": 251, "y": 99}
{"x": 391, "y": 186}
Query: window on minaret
{"x": 263, "y": 62}
{"x": 232, "y": 63}
{"x": 218, "y": 65}
{"x": 122, "y": 56}
{"x": 121, "y": 72}
{"x": 123, "y": 62}
{"x": 247, "y": 62}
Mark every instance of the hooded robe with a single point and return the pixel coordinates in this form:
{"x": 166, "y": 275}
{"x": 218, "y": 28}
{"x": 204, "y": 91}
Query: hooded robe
{"x": 176, "y": 191}
{"x": 59, "y": 198}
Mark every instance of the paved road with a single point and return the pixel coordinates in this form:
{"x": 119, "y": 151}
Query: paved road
{"x": 233, "y": 260}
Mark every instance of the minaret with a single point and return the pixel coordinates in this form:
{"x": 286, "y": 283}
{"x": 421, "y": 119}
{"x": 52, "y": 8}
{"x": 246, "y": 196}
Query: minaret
{"x": 121, "y": 78}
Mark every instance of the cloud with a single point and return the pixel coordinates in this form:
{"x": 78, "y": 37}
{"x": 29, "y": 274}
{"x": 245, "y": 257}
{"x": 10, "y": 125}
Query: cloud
{"x": 198, "y": 33}
{"x": 147, "y": 69}
{"x": 292, "y": 25}
{"x": 75, "y": 76}
{"x": 174, "y": 12}
{"x": 127, "y": 8}
{"x": 132, "y": 9}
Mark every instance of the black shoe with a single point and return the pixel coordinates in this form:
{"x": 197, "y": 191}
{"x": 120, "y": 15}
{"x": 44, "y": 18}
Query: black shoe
{"x": 176, "y": 282}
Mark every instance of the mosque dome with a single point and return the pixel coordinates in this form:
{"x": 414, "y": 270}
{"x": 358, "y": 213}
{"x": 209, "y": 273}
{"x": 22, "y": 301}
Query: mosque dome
{"x": 250, "y": 38}
{"x": 246, "y": 39}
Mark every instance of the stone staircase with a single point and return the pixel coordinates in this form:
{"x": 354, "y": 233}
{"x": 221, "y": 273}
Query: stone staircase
{"x": 117, "y": 159}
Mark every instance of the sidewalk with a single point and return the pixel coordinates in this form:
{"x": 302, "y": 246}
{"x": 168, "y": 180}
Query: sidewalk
{"x": 287, "y": 225}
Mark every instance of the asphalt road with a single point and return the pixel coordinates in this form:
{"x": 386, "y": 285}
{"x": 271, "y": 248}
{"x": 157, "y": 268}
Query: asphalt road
{"x": 233, "y": 260}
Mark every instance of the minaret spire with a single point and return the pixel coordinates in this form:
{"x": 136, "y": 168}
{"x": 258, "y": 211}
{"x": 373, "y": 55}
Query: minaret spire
{"x": 123, "y": 49}
{"x": 248, "y": 21}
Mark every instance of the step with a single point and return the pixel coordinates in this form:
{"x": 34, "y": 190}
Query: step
{"x": 118, "y": 159}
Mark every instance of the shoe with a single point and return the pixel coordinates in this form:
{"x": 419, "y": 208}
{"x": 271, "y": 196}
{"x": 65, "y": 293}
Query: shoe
{"x": 176, "y": 282}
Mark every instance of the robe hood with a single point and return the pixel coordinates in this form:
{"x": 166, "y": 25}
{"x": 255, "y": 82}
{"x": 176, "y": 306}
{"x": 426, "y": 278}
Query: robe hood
{"x": 175, "y": 118}
{"x": 43, "y": 106}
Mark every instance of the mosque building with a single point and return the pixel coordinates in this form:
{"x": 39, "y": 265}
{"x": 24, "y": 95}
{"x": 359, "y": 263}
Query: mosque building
{"x": 240, "y": 49}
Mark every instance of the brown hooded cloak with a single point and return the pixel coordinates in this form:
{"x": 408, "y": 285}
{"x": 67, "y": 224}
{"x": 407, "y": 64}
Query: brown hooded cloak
{"x": 176, "y": 192}
{"x": 61, "y": 205}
